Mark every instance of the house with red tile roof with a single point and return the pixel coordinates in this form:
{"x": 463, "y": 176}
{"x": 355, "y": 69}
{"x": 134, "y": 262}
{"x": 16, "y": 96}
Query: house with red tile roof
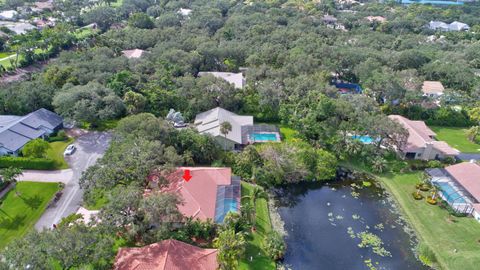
{"x": 421, "y": 143}
{"x": 166, "y": 255}
{"x": 210, "y": 193}
{"x": 459, "y": 186}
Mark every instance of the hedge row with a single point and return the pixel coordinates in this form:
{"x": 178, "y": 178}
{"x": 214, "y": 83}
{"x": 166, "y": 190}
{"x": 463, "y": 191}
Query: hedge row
{"x": 57, "y": 139}
{"x": 27, "y": 163}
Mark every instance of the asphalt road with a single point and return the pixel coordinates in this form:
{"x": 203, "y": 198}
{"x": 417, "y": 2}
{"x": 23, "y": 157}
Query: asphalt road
{"x": 90, "y": 147}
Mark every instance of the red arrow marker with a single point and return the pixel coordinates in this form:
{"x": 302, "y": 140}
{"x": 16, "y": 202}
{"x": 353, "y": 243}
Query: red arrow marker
{"x": 186, "y": 175}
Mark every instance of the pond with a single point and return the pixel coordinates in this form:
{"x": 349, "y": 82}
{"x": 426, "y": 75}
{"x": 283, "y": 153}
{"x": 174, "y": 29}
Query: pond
{"x": 326, "y": 223}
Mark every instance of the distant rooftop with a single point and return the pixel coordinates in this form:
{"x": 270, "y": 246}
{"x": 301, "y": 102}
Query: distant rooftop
{"x": 432, "y": 87}
{"x": 136, "y": 53}
{"x": 236, "y": 79}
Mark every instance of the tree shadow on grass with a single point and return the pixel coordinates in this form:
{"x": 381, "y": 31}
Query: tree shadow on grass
{"x": 4, "y": 213}
{"x": 32, "y": 202}
{"x": 13, "y": 223}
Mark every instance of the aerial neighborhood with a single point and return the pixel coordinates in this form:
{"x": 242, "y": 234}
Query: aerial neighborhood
{"x": 240, "y": 135}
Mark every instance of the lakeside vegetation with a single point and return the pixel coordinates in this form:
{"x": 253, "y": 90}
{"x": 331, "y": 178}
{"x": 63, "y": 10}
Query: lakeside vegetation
{"x": 22, "y": 207}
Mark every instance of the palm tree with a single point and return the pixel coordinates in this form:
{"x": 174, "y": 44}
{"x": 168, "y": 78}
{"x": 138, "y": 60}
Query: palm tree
{"x": 248, "y": 210}
{"x": 256, "y": 193}
{"x": 379, "y": 164}
{"x": 10, "y": 174}
{"x": 225, "y": 128}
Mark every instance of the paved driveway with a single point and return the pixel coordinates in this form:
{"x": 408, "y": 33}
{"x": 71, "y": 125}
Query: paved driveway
{"x": 90, "y": 147}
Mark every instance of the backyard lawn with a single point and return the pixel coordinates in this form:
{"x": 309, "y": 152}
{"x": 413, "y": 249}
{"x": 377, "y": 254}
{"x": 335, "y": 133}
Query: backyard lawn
{"x": 56, "y": 153}
{"x": 456, "y": 138}
{"x": 255, "y": 241}
{"x": 456, "y": 243}
{"x": 19, "y": 213}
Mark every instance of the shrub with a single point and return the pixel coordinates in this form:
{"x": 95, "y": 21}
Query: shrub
{"x": 417, "y": 196}
{"x": 27, "y": 163}
{"x": 275, "y": 246}
{"x": 431, "y": 200}
{"x": 69, "y": 219}
{"x": 61, "y": 136}
{"x": 426, "y": 255}
{"x": 434, "y": 164}
{"x": 35, "y": 148}
{"x": 423, "y": 186}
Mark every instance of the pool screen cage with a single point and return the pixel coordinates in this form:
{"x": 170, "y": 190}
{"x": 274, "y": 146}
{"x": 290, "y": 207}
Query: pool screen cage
{"x": 457, "y": 197}
{"x": 247, "y": 130}
{"x": 228, "y": 199}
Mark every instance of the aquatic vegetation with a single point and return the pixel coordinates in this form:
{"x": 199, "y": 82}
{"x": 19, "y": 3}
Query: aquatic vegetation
{"x": 366, "y": 183}
{"x": 355, "y": 194}
{"x": 370, "y": 240}
{"x": 369, "y": 264}
{"x": 351, "y": 233}
{"x": 379, "y": 226}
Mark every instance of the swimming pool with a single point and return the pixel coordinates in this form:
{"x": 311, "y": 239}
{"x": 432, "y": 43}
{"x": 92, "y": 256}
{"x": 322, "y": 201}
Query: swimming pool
{"x": 363, "y": 139}
{"x": 263, "y": 137}
{"x": 449, "y": 193}
{"x": 229, "y": 205}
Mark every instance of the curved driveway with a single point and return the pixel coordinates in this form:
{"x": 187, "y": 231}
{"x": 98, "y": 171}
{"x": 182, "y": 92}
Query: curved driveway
{"x": 90, "y": 147}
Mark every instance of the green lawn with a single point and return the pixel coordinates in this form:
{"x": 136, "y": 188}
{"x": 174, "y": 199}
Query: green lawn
{"x": 456, "y": 138}
{"x": 255, "y": 241}
{"x": 18, "y": 214}
{"x": 56, "y": 153}
{"x": 5, "y": 54}
{"x": 289, "y": 134}
{"x": 456, "y": 245}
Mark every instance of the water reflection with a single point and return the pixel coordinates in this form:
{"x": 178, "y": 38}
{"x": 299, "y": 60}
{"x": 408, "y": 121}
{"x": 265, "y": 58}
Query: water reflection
{"x": 327, "y": 222}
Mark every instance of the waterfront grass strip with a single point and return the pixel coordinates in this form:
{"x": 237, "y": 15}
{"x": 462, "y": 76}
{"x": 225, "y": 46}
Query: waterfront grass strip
{"x": 454, "y": 241}
{"x": 255, "y": 256}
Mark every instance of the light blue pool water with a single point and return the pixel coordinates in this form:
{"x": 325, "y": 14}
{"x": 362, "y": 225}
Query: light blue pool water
{"x": 449, "y": 193}
{"x": 364, "y": 139}
{"x": 269, "y": 137}
{"x": 229, "y": 205}
{"x": 432, "y": 2}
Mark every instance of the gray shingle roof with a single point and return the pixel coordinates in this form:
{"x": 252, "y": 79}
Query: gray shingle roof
{"x": 16, "y": 131}
{"x": 42, "y": 117}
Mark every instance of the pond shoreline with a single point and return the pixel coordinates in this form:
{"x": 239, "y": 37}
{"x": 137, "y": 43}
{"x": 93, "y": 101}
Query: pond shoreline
{"x": 355, "y": 201}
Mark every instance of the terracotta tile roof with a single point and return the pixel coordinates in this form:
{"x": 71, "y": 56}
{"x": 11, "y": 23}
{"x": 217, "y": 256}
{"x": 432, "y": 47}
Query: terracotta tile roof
{"x": 199, "y": 195}
{"x": 467, "y": 174}
{"x": 166, "y": 255}
{"x": 419, "y": 135}
{"x": 432, "y": 87}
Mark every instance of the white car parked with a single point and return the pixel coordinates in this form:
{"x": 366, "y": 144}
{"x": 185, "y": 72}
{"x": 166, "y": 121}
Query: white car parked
{"x": 70, "y": 149}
